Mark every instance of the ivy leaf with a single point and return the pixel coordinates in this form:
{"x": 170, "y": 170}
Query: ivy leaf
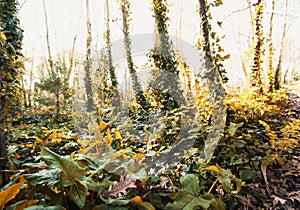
{"x": 70, "y": 170}
{"x": 137, "y": 200}
{"x": 190, "y": 183}
{"x": 2, "y": 37}
{"x": 70, "y": 174}
{"x": 49, "y": 175}
{"x": 187, "y": 201}
{"x": 233, "y": 127}
{"x": 10, "y": 193}
{"x": 20, "y": 205}
{"x": 78, "y": 193}
{"x": 109, "y": 207}
{"x": 225, "y": 177}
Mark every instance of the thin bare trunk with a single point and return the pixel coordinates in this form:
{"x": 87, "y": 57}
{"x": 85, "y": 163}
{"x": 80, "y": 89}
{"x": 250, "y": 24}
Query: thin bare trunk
{"x": 277, "y": 76}
{"x": 271, "y": 53}
{"x": 71, "y": 56}
{"x": 24, "y": 93}
{"x": 47, "y": 37}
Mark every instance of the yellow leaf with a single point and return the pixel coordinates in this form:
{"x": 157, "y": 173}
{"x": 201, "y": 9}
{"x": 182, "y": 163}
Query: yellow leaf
{"x": 10, "y": 193}
{"x": 25, "y": 204}
{"x": 103, "y": 126}
{"x": 108, "y": 137}
{"x": 138, "y": 156}
{"x": 118, "y": 135}
{"x": 20, "y": 64}
{"x": 2, "y": 37}
{"x": 137, "y": 200}
{"x": 211, "y": 168}
{"x": 97, "y": 133}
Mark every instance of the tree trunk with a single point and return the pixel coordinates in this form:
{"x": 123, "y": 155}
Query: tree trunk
{"x": 88, "y": 80}
{"x": 216, "y": 89}
{"x": 137, "y": 88}
{"x": 255, "y": 79}
{"x": 3, "y": 157}
{"x": 24, "y": 93}
{"x": 271, "y": 53}
{"x": 57, "y": 103}
{"x": 278, "y": 73}
{"x": 47, "y": 38}
{"x": 111, "y": 68}
{"x": 165, "y": 82}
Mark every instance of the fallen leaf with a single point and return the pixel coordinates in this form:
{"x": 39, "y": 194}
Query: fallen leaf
{"x": 278, "y": 199}
{"x": 10, "y": 193}
{"x": 294, "y": 196}
{"x": 120, "y": 187}
{"x": 263, "y": 168}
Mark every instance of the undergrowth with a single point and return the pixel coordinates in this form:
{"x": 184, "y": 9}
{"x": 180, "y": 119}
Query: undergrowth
{"x": 107, "y": 167}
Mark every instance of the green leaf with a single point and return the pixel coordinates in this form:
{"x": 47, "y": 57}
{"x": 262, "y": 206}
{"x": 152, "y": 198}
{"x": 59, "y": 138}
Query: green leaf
{"x": 116, "y": 202}
{"x": 186, "y": 201}
{"x": 233, "y": 128}
{"x": 56, "y": 207}
{"x": 70, "y": 170}
{"x": 78, "y": 193}
{"x": 239, "y": 143}
{"x": 108, "y": 207}
{"x": 198, "y": 201}
{"x": 190, "y": 183}
{"x": 70, "y": 175}
{"x": 247, "y": 174}
{"x": 51, "y": 176}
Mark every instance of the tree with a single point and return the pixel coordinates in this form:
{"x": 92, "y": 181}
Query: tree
{"x": 165, "y": 83}
{"x": 108, "y": 54}
{"x": 57, "y": 83}
{"x": 214, "y": 80}
{"x": 47, "y": 37}
{"x": 271, "y": 53}
{"x": 255, "y": 77}
{"x": 11, "y": 36}
{"x": 278, "y": 71}
{"x": 137, "y": 88}
{"x": 88, "y": 62}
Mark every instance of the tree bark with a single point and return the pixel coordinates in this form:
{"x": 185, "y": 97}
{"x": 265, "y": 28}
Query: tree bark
{"x": 278, "y": 71}
{"x": 47, "y": 37}
{"x": 216, "y": 89}
{"x": 137, "y": 88}
{"x": 111, "y": 68}
{"x": 88, "y": 80}
{"x": 256, "y": 81}
{"x": 271, "y": 53}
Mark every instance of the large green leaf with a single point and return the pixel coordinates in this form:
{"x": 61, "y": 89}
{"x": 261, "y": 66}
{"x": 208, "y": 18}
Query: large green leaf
{"x": 186, "y": 201}
{"x": 51, "y": 176}
{"x": 78, "y": 193}
{"x": 70, "y": 170}
{"x": 70, "y": 175}
{"x": 190, "y": 183}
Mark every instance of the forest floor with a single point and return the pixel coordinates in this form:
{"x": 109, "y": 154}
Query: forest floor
{"x": 289, "y": 173}
{"x": 274, "y": 184}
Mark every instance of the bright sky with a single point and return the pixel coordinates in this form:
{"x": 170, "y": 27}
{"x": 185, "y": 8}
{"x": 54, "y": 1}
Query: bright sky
{"x": 64, "y": 16}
